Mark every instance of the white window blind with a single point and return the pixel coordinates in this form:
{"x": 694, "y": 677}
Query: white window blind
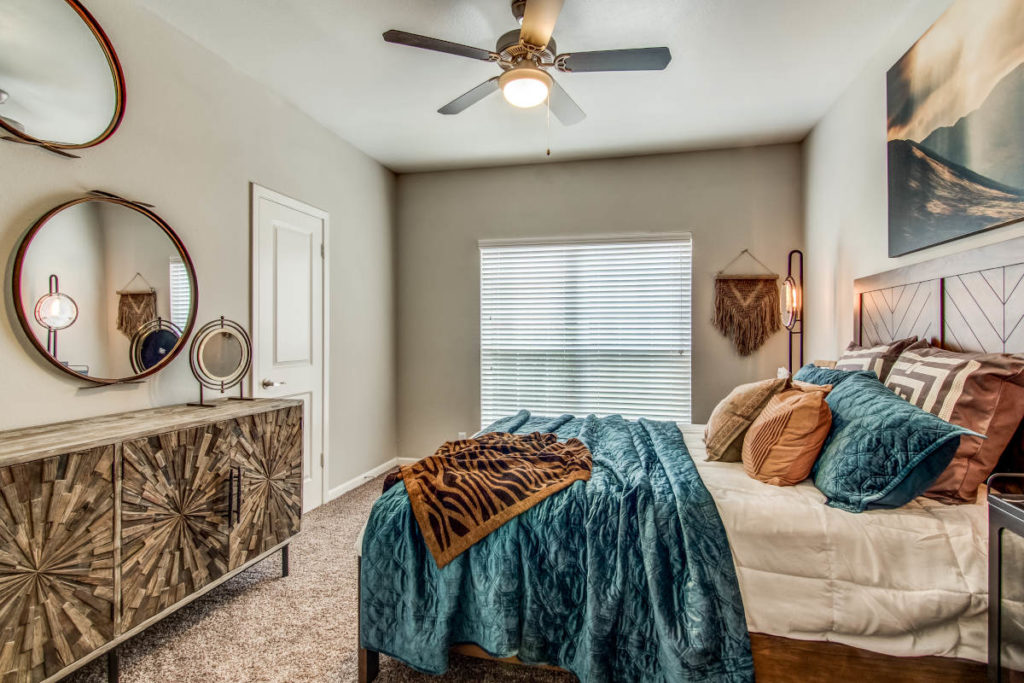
{"x": 586, "y": 327}
{"x": 181, "y": 293}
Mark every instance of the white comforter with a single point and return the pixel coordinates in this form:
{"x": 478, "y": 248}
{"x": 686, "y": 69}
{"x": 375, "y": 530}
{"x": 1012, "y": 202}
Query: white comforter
{"x": 911, "y": 581}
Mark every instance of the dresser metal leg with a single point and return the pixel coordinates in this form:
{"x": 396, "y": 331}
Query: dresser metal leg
{"x": 113, "y": 666}
{"x": 284, "y": 560}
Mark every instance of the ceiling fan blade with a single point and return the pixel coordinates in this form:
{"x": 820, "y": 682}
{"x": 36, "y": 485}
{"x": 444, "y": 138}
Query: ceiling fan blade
{"x": 539, "y": 21}
{"x": 640, "y": 59}
{"x": 467, "y": 100}
{"x": 564, "y": 107}
{"x": 438, "y": 45}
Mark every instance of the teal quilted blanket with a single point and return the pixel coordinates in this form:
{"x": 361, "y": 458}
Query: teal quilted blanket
{"x": 627, "y": 577}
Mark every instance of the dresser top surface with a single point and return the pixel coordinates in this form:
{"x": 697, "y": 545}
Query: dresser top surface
{"x": 32, "y": 443}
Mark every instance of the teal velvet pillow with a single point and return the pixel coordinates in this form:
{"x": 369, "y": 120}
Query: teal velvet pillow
{"x": 882, "y": 452}
{"x": 812, "y": 374}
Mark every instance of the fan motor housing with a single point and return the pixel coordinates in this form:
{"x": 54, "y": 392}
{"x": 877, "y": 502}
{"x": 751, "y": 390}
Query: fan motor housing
{"x": 512, "y": 50}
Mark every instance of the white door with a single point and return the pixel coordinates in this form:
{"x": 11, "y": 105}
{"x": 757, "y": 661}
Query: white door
{"x": 289, "y": 310}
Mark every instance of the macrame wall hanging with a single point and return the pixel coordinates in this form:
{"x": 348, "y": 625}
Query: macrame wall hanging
{"x": 747, "y": 307}
{"x": 135, "y": 308}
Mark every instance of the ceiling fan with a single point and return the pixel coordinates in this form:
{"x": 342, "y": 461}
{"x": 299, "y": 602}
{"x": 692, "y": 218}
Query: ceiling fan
{"x": 525, "y": 55}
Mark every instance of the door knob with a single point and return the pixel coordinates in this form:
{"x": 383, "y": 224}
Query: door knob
{"x": 269, "y": 383}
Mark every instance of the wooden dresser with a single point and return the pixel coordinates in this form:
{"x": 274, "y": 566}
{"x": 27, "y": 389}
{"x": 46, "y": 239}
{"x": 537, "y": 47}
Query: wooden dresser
{"x": 111, "y": 523}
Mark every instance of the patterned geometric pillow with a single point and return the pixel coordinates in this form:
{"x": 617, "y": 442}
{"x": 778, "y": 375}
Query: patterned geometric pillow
{"x": 878, "y": 359}
{"x": 781, "y": 446}
{"x": 982, "y": 392}
{"x": 734, "y": 414}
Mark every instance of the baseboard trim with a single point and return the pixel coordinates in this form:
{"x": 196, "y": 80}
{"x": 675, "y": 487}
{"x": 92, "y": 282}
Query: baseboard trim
{"x": 356, "y": 482}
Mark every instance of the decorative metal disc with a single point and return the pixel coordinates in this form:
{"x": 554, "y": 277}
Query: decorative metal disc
{"x": 152, "y": 342}
{"x": 221, "y": 354}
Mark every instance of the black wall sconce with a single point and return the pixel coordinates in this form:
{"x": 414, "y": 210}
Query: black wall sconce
{"x": 793, "y": 305}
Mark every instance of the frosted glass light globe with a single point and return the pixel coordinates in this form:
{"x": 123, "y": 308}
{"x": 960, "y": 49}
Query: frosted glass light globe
{"x": 525, "y": 87}
{"x": 56, "y": 311}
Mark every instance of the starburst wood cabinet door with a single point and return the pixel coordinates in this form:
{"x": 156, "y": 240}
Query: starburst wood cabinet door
{"x": 174, "y": 519}
{"x": 56, "y": 562}
{"x": 267, "y": 448}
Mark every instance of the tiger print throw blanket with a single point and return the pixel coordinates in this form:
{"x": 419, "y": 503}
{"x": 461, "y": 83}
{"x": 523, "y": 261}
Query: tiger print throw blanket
{"x": 470, "y": 487}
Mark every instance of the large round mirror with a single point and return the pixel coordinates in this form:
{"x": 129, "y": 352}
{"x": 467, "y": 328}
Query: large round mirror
{"x": 61, "y": 85}
{"x": 105, "y": 289}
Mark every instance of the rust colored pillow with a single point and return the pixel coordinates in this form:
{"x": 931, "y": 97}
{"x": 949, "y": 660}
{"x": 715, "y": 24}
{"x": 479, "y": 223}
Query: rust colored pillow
{"x": 780, "y": 448}
{"x": 983, "y": 392}
{"x": 731, "y": 418}
{"x": 879, "y": 359}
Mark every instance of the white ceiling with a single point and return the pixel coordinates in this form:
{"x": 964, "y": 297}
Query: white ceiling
{"x": 743, "y": 71}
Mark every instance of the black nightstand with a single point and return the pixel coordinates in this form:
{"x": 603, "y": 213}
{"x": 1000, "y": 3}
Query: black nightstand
{"x": 1005, "y": 512}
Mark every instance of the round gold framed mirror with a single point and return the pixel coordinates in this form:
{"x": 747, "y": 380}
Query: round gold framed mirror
{"x": 100, "y": 274}
{"x": 60, "y": 99}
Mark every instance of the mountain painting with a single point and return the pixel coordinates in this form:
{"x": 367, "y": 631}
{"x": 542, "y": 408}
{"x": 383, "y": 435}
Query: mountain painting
{"x": 956, "y": 127}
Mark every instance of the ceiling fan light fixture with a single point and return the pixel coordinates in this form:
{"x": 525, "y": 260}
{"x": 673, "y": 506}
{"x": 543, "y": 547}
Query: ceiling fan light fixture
{"x": 525, "y": 86}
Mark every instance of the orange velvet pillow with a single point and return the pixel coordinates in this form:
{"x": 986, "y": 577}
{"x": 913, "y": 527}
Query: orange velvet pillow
{"x": 780, "y": 448}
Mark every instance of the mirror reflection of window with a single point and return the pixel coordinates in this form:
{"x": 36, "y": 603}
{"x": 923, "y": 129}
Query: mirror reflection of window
{"x": 180, "y": 293}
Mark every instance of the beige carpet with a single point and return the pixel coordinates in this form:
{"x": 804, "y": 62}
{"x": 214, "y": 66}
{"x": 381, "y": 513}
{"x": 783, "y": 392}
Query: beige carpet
{"x": 260, "y": 627}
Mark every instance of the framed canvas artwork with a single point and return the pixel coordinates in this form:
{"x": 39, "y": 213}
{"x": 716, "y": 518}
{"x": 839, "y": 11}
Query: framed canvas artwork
{"x": 956, "y": 127}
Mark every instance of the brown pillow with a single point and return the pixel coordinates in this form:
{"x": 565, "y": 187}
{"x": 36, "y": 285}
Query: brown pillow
{"x": 734, "y": 415}
{"x": 878, "y": 359}
{"x": 780, "y": 448}
{"x": 983, "y": 392}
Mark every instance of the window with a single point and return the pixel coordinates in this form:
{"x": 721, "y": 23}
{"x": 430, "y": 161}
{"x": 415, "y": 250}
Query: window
{"x": 181, "y": 293}
{"x": 596, "y": 326}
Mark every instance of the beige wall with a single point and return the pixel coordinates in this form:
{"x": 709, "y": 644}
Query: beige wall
{"x": 846, "y": 195}
{"x": 728, "y": 200}
{"x": 195, "y": 134}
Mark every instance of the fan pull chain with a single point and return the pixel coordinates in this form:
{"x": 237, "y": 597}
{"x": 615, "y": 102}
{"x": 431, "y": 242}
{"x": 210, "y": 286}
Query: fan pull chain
{"x": 549, "y": 124}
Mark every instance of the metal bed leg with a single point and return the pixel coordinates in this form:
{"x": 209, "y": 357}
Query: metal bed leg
{"x": 284, "y": 560}
{"x": 113, "y": 667}
{"x": 995, "y": 588}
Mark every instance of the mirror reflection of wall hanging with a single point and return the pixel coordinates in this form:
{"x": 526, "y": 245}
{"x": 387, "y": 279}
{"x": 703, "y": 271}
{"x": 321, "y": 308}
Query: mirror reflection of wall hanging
{"x": 95, "y": 243}
{"x": 220, "y": 356}
{"x": 135, "y": 308}
{"x": 747, "y": 308}
{"x": 63, "y": 84}
{"x": 955, "y": 139}
{"x": 152, "y": 342}
{"x": 55, "y": 311}
{"x": 793, "y": 305}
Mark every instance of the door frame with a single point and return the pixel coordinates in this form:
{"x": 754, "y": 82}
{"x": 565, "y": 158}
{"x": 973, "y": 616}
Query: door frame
{"x": 256, "y": 193}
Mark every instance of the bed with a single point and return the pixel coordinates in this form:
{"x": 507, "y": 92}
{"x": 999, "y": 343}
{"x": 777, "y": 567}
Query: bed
{"x": 880, "y": 585}
{"x": 895, "y": 595}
